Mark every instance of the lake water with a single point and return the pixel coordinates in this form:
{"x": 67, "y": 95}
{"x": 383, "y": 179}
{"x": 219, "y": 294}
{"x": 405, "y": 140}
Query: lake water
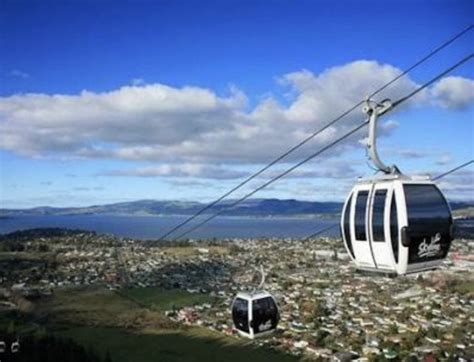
{"x": 152, "y": 227}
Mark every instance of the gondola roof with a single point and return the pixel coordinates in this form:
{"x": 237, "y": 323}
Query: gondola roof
{"x": 253, "y": 295}
{"x": 380, "y": 176}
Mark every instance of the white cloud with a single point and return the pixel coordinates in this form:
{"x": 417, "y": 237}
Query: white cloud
{"x": 454, "y": 92}
{"x": 338, "y": 88}
{"x": 192, "y": 125}
{"x": 150, "y": 115}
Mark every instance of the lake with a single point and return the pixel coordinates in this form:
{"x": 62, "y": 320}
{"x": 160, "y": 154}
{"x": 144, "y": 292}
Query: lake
{"x": 152, "y": 227}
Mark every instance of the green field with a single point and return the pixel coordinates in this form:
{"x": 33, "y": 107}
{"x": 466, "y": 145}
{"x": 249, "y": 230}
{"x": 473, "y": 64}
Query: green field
{"x": 193, "y": 344}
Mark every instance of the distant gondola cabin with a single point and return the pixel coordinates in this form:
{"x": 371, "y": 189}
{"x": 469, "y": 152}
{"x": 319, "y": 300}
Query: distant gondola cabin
{"x": 255, "y": 314}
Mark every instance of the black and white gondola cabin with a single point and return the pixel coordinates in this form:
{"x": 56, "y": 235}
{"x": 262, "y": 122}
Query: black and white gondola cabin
{"x": 396, "y": 224}
{"x": 391, "y": 222}
{"x": 255, "y": 314}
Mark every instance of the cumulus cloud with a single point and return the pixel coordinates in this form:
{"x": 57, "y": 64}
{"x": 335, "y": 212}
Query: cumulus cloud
{"x": 454, "y": 92}
{"x": 148, "y": 115}
{"x": 190, "y": 131}
{"x": 338, "y": 88}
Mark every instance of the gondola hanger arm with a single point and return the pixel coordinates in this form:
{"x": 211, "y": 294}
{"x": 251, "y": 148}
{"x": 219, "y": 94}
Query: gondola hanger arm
{"x": 374, "y": 110}
{"x": 262, "y": 278}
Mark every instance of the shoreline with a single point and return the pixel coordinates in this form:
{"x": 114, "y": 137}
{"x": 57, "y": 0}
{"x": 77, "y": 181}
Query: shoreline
{"x": 295, "y": 216}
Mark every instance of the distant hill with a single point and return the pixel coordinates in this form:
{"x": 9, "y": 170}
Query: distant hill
{"x": 251, "y": 207}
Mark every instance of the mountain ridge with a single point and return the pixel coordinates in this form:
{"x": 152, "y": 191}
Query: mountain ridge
{"x": 251, "y": 207}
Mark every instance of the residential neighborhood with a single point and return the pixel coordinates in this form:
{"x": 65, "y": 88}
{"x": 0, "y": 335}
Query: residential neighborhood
{"x": 328, "y": 310}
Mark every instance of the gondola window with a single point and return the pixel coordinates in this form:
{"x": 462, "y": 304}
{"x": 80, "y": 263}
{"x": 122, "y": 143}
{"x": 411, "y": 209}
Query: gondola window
{"x": 378, "y": 215}
{"x": 360, "y": 216}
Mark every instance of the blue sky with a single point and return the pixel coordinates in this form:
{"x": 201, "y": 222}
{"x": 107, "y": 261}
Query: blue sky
{"x": 110, "y": 101}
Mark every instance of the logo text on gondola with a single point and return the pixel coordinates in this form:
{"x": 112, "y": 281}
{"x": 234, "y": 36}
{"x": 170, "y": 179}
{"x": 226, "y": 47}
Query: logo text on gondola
{"x": 265, "y": 326}
{"x": 432, "y": 248}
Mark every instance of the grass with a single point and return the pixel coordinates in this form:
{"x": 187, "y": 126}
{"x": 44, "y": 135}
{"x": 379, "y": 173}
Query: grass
{"x": 186, "y": 346}
{"x": 100, "y": 307}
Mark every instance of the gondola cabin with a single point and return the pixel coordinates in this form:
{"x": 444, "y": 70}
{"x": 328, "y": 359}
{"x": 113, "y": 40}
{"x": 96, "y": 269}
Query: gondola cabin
{"x": 255, "y": 314}
{"x": 396, "y": 224}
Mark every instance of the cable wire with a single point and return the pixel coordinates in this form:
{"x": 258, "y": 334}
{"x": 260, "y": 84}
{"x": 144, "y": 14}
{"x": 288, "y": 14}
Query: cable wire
{"x": 316, "y": 133}
{"x": 289, "y": 170}
{"x": 427, "y": 84}
{"x": 453, "y": 170}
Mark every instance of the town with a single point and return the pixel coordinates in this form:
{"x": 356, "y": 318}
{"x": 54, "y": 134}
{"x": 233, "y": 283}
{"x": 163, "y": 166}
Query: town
{"x": 327, "y": 308}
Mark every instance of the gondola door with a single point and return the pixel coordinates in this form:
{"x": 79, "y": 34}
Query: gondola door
{"x": 379, "y": 225}
{"x": 264, "y": 315}
{"x": 240, "y": 315}
{"x": 429, "y": 224}
{"x": 359, "y": 230}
